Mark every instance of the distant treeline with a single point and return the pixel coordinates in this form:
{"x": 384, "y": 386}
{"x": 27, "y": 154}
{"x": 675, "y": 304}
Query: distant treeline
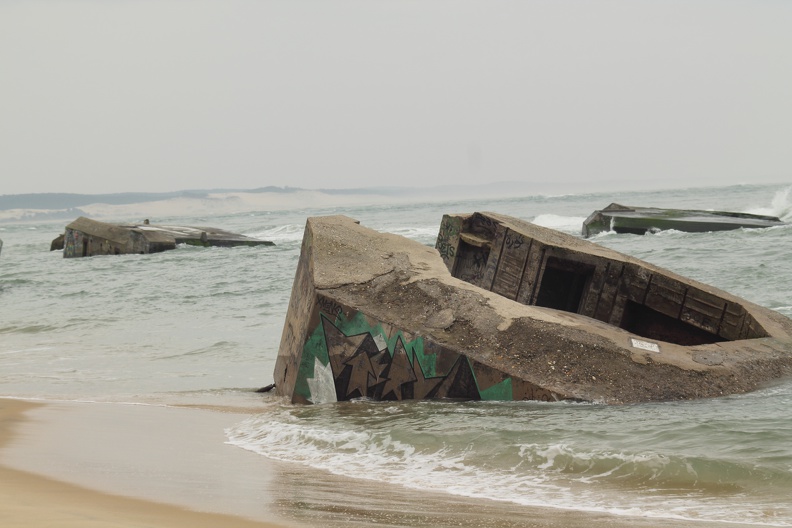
{"x": 61, "y": 201}
{"x": 68, "y": 201}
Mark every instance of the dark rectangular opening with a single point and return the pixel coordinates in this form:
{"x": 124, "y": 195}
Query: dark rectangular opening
{"x": 645, "y": 322}
{"x": 563, "y": 285}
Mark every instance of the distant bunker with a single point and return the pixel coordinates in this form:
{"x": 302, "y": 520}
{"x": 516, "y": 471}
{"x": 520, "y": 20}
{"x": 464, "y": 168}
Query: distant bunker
{"x": 85, "y": 237}
{"x": 641, "y": 220}
{"x": 503, "y": 309}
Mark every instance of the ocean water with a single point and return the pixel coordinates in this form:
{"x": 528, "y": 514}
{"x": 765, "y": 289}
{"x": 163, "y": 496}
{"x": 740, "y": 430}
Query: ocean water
{"x": 202, "y": 326}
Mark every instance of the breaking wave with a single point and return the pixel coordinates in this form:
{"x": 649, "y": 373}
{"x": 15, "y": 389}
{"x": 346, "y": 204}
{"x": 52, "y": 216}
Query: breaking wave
{"x": 780, "y": 206}
{"x": 283, "y": 233}
{"x": 469, "y": 453}
{"x": 567, "y": 224}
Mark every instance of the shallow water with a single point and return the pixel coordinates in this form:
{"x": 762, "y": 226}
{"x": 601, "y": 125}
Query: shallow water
{"x": 202, "y": 325}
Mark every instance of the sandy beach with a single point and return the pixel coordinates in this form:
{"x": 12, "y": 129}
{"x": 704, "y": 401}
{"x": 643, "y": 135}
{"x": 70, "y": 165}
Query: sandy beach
{"x": 68, "y": 464}
{"x": 30, "y": 499}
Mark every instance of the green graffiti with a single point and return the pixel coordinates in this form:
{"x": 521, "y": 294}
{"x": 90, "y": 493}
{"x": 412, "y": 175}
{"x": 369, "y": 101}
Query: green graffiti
{"x": 428, "y": 362}
{"x": 359, "y": 324}
{"x": 415, "y": 350}
{"x": 500, "y": 391}
{"x": 315, "y": 347}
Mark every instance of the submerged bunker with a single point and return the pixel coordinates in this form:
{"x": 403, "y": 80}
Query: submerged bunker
{"x": 85, "y": 237}
{"x": 503, "y": 309}
{"x": 642, "y": 220}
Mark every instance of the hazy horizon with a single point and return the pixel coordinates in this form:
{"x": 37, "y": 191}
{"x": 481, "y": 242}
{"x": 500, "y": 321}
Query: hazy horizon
{"x": 473, "y": 190}
{"x": 167, "y": 95}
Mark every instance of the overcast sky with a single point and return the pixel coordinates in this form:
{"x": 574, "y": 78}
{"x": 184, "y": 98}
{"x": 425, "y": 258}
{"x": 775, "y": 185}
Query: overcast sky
{"x": 104, "y": 96}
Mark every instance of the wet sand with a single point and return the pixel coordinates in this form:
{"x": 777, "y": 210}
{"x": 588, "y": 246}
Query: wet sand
{"x": 31, "y": 499}
{"x": 119, "y": 465}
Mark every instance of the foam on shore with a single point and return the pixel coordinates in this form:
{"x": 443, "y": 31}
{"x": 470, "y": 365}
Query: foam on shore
{"x": 71, "y": 464}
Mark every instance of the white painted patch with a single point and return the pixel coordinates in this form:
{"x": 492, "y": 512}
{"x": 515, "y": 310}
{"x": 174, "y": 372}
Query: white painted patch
{"x": 645, "y": 345}
{"x": 322, "y": 385}
{"x": 380, "y": 342}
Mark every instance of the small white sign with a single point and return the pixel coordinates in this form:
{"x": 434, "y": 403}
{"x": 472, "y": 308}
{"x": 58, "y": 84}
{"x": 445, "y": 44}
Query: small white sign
{"x": 645, "y": 345}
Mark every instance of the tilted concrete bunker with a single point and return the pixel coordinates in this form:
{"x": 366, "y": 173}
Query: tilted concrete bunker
{"x": 506, "y": 310}
{"x": 642, "y": 220}
{"x": 538, "y": 266}
{"x": 85, "y": 237}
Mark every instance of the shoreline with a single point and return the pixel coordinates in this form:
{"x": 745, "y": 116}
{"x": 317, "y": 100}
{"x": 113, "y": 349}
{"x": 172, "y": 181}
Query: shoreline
{"x": 70, "y": 465}
{"x": 29, "y": 499}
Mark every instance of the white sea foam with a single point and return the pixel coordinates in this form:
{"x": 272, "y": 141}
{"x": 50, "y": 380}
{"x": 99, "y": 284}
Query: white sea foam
{"x": 360, "y": 454}
{"x": 780, "y": 206}
{"x": 283, "y": 233}
{"x": 567, "y": 224}
{"x": 421, "y": 234}
{"x": 552, "y": 475}
{"x": 25, "y": 350}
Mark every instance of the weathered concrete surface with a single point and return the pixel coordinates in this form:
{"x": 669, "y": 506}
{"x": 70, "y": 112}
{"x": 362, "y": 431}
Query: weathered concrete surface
{"x": 57, "y": 242}
{"x": 641, "y": 220}
{"x": 378, "y": 315}
{"x": 538, "y": 266}
{"x": 85, "y": 237}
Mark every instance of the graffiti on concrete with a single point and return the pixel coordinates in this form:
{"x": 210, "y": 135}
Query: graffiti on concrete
{"x": 73, "y": 243}
{"x": 347, "y": 358}
{"x": 447, "y": 239}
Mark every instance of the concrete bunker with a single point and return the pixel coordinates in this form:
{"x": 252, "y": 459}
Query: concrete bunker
{"x": 641, "y": 220}
{"x": 535, "y": 266}
{"x": 85, "y": 237}
{"x": 375, "y": 315}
